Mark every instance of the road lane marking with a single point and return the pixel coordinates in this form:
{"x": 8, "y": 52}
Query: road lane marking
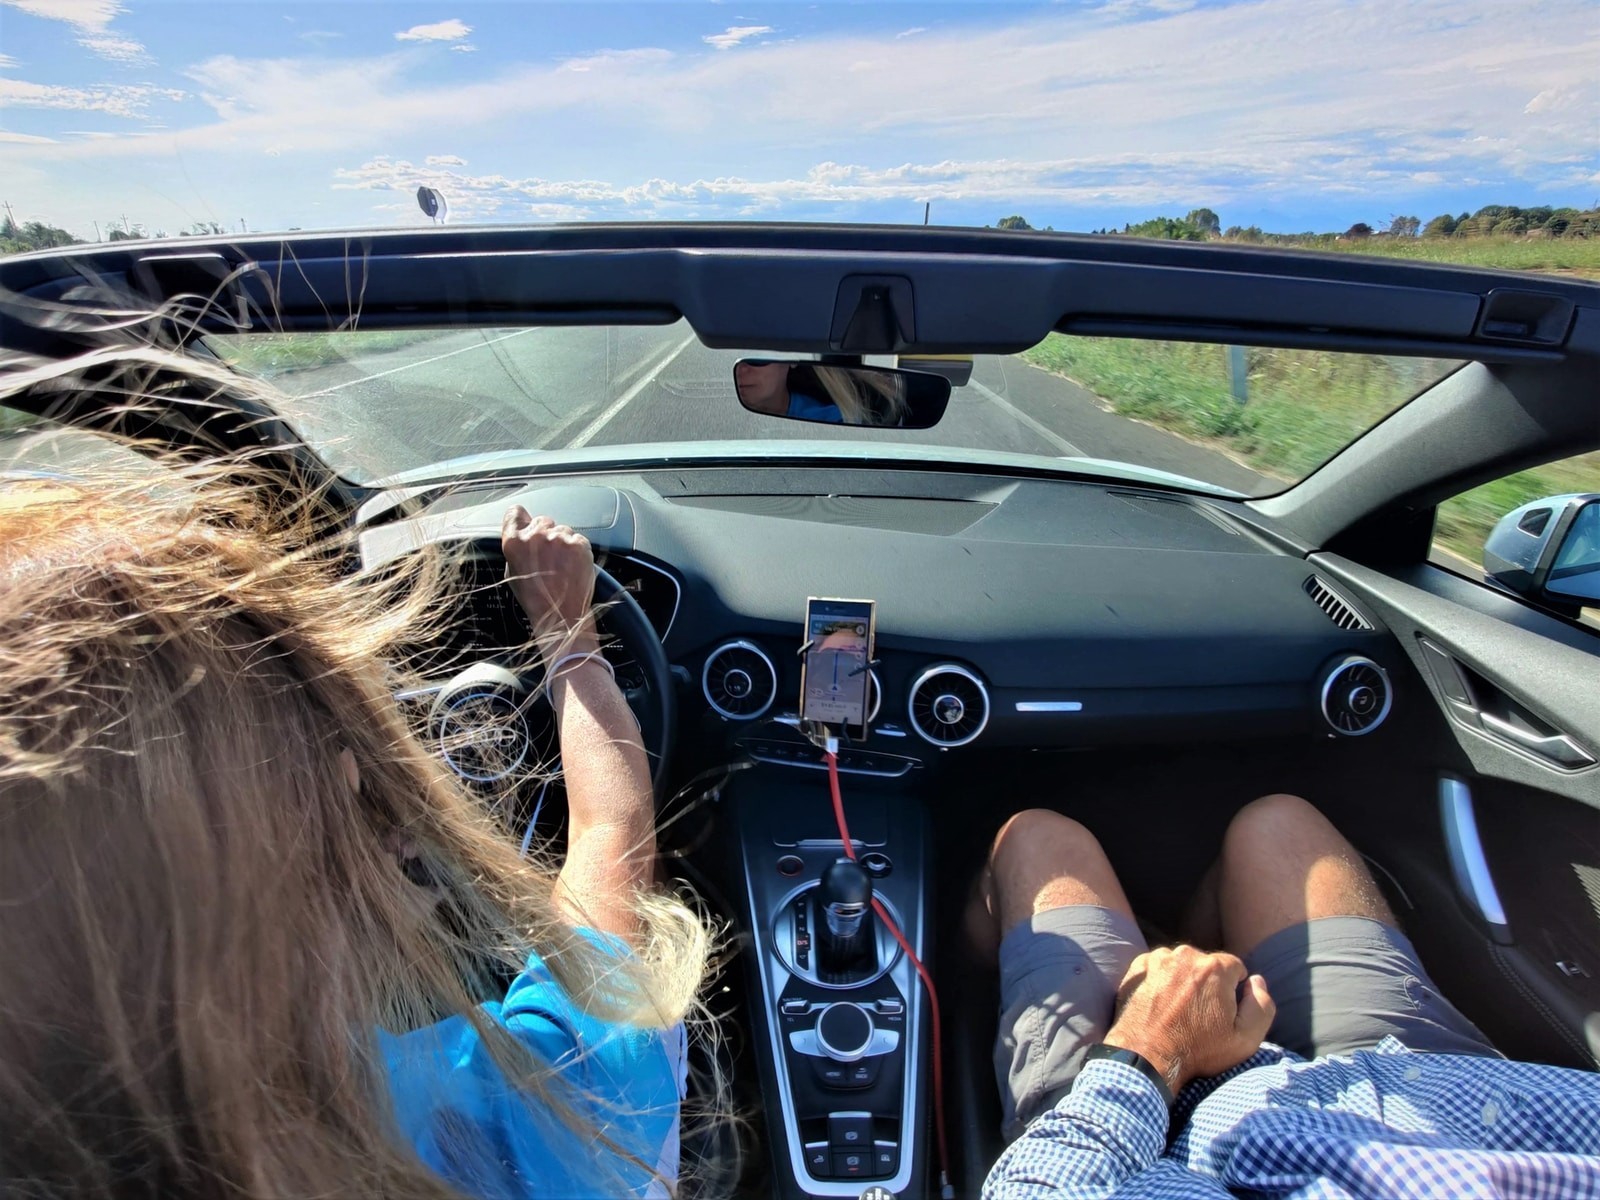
{"x": 627, "y": 397}
{"x": 421, "y": 362}
{"x": 1049, "y": 435}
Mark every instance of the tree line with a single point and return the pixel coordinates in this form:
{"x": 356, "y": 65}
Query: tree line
{"x": 17, "y": 237}
{"x": 1492, "y": 220}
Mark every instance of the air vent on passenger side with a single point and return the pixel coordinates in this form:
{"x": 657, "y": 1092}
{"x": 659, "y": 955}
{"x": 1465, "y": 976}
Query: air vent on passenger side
{"x": 739, "y": 681}
{"x": 949, "y": 706}
{"x": 1340, "y": 611}
{"x": 1355, "y": 696}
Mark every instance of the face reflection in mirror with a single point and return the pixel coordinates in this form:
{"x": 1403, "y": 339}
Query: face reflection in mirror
{"x": 763, "y": 387}
{"x": 841, "y": 395}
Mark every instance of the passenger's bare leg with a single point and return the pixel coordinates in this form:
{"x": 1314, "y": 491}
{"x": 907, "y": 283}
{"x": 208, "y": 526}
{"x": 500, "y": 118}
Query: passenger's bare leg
{"x": 1039, "y": 860}
{"x": 1283, "y": 863}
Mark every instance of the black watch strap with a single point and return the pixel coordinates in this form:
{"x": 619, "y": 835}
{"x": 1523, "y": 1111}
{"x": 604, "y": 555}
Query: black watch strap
{"x": 1135, "y": 1060}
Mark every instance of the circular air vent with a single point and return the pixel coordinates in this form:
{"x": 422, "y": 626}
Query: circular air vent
{"x": 739, "y": 681}
{"x": 949, "y": 705}
{"x": 1355, "y": 696}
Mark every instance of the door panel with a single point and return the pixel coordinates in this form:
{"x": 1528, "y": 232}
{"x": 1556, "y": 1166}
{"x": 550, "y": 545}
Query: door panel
{"x": 1512, "y": 877}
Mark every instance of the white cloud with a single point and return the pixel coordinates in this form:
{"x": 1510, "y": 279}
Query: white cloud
{"x": 444, "y": 160}
{"x": 86, "y": 14}
{"x": 1126, "y": 8}
{"x": 7, "y": 62}
{"x": 912, "y": 32}
{"x": 128, "y": 100}
{"x": 1553, "y": 100}
{"x": 1116, "y": 179}
{"x": 452, "y": 30}
{"x": 91, "y": 20}
{"x": 734, "y": 34}
{"x": 464, "y": 48}
{"x": 25, "y": 139}
{"x": 115, "y": 47}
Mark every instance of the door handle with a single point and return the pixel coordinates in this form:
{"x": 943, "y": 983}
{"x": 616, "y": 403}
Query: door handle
{"x": 1556, "y": 747}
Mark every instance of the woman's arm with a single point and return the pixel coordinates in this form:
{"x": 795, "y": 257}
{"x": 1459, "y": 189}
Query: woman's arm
{"x": 611, "y": 809}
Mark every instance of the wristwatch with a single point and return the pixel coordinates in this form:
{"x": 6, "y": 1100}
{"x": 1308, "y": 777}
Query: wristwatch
{"x": 1135, "y": 1060}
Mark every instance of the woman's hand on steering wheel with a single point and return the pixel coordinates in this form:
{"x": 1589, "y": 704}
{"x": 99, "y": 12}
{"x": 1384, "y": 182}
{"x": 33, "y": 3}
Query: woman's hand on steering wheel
{"x": 551, "y": 571}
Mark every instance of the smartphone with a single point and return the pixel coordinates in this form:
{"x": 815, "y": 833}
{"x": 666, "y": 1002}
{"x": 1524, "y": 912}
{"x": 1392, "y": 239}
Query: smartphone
{"x": 835, "y": 671}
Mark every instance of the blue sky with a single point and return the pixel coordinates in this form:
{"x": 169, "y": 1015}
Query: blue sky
{"x": 1291, "y": 114}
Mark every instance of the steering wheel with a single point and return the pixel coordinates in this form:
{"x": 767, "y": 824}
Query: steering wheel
{"x": 656, "y": 703}
{"x": 491, "y": 725}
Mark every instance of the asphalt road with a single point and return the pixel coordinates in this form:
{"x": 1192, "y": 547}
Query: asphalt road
{"x": 449, "y": 394}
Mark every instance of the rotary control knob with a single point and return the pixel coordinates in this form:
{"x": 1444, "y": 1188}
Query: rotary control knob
{"x": 844, "y": 1031}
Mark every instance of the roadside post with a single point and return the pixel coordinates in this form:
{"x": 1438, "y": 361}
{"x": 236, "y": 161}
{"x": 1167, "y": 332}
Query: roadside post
{"x": 1238, "y": 374}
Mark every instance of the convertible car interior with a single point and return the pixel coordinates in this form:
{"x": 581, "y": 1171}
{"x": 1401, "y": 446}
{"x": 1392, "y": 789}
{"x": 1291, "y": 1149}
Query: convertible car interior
{"x": 1051, "y": 623}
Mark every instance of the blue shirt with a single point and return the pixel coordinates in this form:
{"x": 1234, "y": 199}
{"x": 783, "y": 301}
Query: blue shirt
{"x": 1385, "y": 1122}
{"x": 473, "y": 1129}
{"x": 807, "y": 409}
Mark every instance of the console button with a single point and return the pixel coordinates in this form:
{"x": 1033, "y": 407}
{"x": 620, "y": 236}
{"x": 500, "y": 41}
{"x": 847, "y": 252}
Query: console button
{"x": 831, "y": 1074}
{"x": 790, "y": 865}
{"x": 850, "y": 1130}
{"x": 889, "y": 1006}
{"x": 862, "y": 1074}
{"x": 885, "y": 1159}
{"x": 876, "y": 864}
{"x": 851, "y": 1164}
{"x": 819, "y": 1159}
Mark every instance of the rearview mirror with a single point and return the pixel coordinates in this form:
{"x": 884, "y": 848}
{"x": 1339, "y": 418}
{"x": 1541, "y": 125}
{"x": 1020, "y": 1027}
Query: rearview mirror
{"x": 1549, "y": 550}
{"x": 841, "y": 395}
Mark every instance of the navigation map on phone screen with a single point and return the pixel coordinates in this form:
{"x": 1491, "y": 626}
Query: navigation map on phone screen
{"x": 839, "y": 633}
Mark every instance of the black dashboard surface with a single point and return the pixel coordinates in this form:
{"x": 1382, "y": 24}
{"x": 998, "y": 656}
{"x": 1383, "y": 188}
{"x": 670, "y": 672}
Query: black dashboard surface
{"x": 1155, "y": 612}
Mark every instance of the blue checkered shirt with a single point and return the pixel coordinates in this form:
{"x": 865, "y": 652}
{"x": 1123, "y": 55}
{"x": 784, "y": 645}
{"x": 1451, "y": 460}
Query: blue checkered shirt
{"x": 1383, "y": 1123}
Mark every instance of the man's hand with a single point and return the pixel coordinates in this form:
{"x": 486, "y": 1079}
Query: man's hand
{"x": 551, "y": 569}
{"x": 1185, "y": 1011}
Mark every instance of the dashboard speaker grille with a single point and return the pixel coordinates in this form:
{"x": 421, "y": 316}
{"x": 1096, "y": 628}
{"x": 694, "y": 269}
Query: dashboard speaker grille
{"x": 739, "y": 681}
{"x": 1340, "y": 611}
{"x": 949, "y": 705}
{"x": 1356, "y": 696}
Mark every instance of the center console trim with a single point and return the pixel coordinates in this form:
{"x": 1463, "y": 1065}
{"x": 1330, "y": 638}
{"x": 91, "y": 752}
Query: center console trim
{"x": 770, "y": 962}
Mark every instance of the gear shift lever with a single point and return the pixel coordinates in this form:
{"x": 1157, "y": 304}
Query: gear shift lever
{"x": 846, "y": 934}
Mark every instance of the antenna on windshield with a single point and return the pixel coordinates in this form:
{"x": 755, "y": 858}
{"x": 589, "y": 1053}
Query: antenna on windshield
{"x": 433, "y": 204}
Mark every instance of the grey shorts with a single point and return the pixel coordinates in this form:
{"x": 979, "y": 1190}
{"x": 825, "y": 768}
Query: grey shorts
{"x": 1341, "y": 984}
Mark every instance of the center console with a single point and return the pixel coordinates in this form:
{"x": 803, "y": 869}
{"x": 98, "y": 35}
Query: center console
{"x": 841, "y": 1021}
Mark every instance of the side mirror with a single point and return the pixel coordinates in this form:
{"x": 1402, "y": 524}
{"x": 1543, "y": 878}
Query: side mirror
{"x": 1549, "y": 550}
{"x": 841, "y": 395}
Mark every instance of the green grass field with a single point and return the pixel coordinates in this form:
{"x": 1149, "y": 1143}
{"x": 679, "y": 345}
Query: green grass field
{"x": 1569, "y": 255}
{"x": 1303, "y": 406}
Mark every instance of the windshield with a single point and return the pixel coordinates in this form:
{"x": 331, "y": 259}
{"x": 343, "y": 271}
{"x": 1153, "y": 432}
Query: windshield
{"x": 1233, "y": 419}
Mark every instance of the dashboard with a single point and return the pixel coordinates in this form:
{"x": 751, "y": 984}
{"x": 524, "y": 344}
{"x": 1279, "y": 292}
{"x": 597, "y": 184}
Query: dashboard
{"x": 1011, "y": 613}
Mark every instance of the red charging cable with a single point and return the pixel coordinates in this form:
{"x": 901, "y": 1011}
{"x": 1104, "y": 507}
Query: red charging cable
{"x": 927, "y": 980}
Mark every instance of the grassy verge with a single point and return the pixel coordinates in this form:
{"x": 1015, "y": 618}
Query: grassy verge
{"x": 1572, "y": 255}
{"x": 1304, "y": 405}
{"x": 267, "y": 354}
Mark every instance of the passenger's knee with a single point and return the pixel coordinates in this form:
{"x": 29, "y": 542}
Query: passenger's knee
{"x": 1041, "y": 832}
{"x": 1273, "y": 824}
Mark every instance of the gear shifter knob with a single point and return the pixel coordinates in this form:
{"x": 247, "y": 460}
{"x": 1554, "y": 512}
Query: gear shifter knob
{"x": 845, "y": 895}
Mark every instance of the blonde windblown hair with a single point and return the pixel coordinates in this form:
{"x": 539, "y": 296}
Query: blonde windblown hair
{"x": 202, "y": 921}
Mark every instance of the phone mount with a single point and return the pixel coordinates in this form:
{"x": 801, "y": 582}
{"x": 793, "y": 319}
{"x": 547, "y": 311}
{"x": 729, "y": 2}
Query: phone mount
{"x": 820, "y": 734}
